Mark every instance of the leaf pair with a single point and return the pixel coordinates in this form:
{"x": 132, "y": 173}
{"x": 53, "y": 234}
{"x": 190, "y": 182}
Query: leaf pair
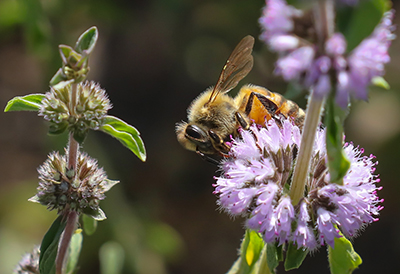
{"x": 128, "y": 135}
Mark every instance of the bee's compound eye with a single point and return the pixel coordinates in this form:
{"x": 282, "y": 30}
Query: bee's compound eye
{"x": 196, "y": 133}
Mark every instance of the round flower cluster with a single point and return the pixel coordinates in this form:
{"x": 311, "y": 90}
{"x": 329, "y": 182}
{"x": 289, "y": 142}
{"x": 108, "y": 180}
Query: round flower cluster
{"x": 91, "y": 107}
{"x": 255, "y": 183}
{"x": 29, "y": 263}
{"x": 301, "y": 60}
{"x": 61, "y": 188}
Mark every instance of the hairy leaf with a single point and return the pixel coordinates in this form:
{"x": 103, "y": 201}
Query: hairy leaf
{"x": 126, "y": 134}
{"x": 87, "y": 41}
{"x": 294, "y": 257}
{"x": 31, "y": 102}
{"x": 49, "y": 246}
{"x": 343, "y": 259}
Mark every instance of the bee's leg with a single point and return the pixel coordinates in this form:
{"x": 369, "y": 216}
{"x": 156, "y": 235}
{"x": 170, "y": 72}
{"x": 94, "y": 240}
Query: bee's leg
{"x": 242, "y": 122}
{"x": 219, "y": 143}
{"x": 207, "y": 158}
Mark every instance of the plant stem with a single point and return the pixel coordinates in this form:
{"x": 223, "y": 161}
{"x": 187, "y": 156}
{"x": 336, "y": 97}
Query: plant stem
{"x": 69, "y": 230}
{"x": 72, "y": 216}
{"x": 306, "y": 147}
{"x": 324, "y": 22}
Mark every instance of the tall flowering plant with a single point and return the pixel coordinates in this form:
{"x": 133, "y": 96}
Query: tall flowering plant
{"x": 71, "y": 182}
{"x": 302, "y": 188}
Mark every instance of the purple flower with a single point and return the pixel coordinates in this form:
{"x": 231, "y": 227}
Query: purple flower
{"x": 256, "y": 176}
{"x": 304, "y": 235}
{"x": 294, "y": 64}
{"x": 324, "y": 69}
{"x": 277, "y": 18}
{"x": 367, "y": 60}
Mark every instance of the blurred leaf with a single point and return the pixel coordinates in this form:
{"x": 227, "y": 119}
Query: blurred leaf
{"x": 358, "y": 22}
{"x": 126, "y": 134}
{"x": 31, "y": 102}
{"x": 164, "y": 240}
{"x": 89, "y": 224}
{"x": 11, "y": 12}
{"x": 343, "y": 259}
{"x": 112, "y": 257}
{"x": 108, "y": 184}
{"x": 379, "y": 81}
{"x": 252, "y": 248}
{"x": 250, "y": 251}
{"x": 74, "y": 251}
{"x": 49, "y": 246}
{"x": 87, "y": 41}
{"x": 337, "y": 161}
{"x": 294, "y": 257}
{"x": 98, "y": 215}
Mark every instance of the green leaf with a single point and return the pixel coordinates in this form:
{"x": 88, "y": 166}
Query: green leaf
{"x": 343, "y": 259}
{"x": 49, "y": 246}
{"x": 87, "y": 41}
{"x": 358, "y": 22}
{"x": 251, "y": 249}
{"x": 337, "y": 161}
{"x": 273, "y": 257}
{"x": 294, "y": 257}
{"x": 65, "y": 52}
{"x": 31, "y": 102}
{"x": 89, "y": 224}
{"x": 74, "y": 250}
{"x": 126, "y": 134}
{"x": 58, "y": 78}
{"x": 112, "y": 257}
{"x": 379, "y": 81}
{"x": 250, "y": 252}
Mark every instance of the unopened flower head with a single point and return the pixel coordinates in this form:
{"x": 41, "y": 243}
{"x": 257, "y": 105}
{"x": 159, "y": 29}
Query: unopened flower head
{"x": 29, "y": 263}
{"x": 81, "y": 190}
{"x": 89, "y": 111}
{"x": 300, "y": 58}
{"x": 255, "y": 183}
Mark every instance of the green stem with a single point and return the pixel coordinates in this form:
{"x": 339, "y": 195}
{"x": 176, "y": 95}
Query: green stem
{"x": 305, "y": 152}
{"x": 324, "y": 21}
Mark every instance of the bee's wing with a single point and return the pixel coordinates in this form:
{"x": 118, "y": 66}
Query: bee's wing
{"x": 238, "y": 65}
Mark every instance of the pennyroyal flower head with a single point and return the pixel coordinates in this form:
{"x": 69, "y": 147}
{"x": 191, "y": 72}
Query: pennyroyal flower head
{"x": 256, "y": 178}
{"x": 88, "y": 112}
{"x": 63, "y": 189}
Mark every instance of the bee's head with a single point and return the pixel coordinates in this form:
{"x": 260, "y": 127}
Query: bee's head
{"x": 194, "y": 138}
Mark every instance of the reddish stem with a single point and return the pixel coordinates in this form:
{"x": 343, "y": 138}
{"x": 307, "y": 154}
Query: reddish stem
{"x": 72, "y": 216}
{"x": 72, "y": 219}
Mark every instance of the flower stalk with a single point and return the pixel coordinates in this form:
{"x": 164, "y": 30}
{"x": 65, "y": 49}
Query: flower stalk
{"x": 324, "y": 15}
{"x": 72, "y": 219}
{"x": 307, "y": 144}
{"x": 72, "y": 216}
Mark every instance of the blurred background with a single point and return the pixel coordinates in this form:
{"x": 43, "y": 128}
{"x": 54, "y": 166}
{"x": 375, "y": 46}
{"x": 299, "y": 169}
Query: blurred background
{"x": 153, "y": 58}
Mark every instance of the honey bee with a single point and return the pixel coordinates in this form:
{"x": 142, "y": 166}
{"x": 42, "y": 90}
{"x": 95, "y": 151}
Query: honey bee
{"x": 214, "y": 117}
